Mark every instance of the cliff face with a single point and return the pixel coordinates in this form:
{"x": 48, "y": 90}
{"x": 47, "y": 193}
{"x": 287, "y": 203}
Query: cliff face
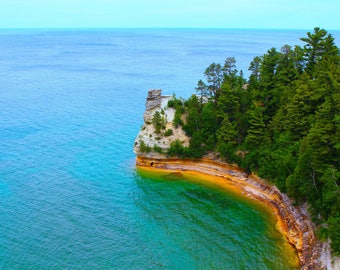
{"x": 155, "y": 102}
{"x": 294, "y": 222}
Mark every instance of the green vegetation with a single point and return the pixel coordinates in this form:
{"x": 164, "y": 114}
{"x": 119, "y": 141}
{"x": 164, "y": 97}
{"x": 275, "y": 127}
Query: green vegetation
{"x": 178, "y": 105}
{"x": 158, "y": 122}
{"x": 157, "y": 149}
{"x": 283, "y": 123}
{"x": 176, "y": 149}
{"x": 168, "y": 132}
{"x": 144, "y": 148}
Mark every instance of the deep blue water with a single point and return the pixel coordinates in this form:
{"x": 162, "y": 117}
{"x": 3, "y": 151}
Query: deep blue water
{"x": 71, "y": 104}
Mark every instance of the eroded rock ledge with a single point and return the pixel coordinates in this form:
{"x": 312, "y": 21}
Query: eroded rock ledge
{"x": 294, "y": 222}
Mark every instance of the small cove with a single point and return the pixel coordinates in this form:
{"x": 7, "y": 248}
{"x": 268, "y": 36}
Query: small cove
{"x": 258, "y": 244}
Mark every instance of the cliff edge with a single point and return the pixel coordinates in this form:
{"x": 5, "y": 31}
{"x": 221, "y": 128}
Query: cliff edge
{"x": 148, "y": 137}
{"x": 293, "y": 221}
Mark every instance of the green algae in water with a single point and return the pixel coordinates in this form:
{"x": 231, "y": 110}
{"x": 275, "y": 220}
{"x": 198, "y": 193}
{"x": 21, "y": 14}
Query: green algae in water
{"x": 204, "y": 227}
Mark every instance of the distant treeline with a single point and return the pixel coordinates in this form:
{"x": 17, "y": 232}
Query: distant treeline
{"x": 283, "y": 123}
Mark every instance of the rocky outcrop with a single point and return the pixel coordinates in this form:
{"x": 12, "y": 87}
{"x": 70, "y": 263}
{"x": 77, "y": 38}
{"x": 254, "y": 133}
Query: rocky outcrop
{"x": 156, "y": 102}
{"x": 153, "y": 101}
{"x": 293, "y": 221}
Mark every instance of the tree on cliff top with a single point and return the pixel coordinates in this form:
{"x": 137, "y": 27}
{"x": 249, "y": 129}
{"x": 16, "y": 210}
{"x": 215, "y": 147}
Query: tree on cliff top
{"x": 284, "y": 124}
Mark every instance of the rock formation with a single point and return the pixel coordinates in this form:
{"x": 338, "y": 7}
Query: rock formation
{"x": 155, "y": 102}
{"x": 293, "y": 221}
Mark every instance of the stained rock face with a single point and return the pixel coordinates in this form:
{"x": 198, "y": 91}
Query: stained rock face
{"x": 153, "y": 99}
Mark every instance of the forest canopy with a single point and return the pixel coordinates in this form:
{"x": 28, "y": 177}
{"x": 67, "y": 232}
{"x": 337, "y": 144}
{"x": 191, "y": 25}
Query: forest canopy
{"x": 283, "y": 123}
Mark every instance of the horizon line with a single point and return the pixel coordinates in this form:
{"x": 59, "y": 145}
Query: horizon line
{"x": 158, "y": 28}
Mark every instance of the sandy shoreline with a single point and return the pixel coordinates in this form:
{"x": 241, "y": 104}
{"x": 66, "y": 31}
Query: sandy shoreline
{"x": 292, "y": 222}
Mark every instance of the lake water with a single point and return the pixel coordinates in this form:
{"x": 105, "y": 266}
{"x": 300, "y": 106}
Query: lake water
{"x": 71, "y": 104}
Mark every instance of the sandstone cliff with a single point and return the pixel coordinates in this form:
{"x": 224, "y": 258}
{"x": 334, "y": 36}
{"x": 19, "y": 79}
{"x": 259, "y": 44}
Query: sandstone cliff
{"x": 294, "y": 222}
{"x": 155, "y": 102}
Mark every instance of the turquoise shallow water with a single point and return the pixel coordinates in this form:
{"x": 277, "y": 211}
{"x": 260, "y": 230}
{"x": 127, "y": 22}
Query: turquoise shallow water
{"x": 71, "y": 104}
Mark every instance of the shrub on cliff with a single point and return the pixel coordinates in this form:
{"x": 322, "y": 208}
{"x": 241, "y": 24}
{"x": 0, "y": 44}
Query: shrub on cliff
{"x": 177, "y": 149}
{"x": 168, "y": 132}
{"x": 157, "y": 149}
{"x": 144, "y": 148}
{"x": 158, "y": 122}
{"x": 175, "y": 102}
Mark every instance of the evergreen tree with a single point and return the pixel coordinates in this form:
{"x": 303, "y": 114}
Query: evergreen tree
{"x": 319, "y": 44}
{"x": 255, "y": 71}
{"x": 193, "y": 121}
{"x": 203, "y": 91}
{"x": 256, "y": 128}
{"x": 284, "y": 124}
{"x": 228, "y": 102}
{"x": 214, "y": 76}
{"x": 227, "y": 132}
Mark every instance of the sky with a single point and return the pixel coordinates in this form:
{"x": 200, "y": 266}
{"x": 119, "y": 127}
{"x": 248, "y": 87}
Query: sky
{"x": 268, "y": 14}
